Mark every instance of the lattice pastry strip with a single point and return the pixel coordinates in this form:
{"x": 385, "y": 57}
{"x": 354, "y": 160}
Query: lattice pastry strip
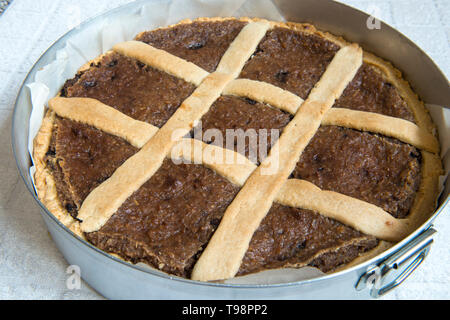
{"x": 162, "y": 60}
{"x": 400, "y": 129}
{"x": 265, "y": 93}
{"x": 105, "y": 118}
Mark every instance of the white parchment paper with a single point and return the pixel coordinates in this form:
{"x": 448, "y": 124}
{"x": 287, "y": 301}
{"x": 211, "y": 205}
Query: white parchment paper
{"x": 89, "y": 44}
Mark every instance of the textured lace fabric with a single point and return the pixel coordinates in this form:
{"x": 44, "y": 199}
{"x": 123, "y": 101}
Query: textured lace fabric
{"x": 4, "y": 5}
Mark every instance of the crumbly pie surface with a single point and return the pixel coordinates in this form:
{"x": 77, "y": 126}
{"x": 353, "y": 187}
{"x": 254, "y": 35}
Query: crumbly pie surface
{"x": 353, "y": 170}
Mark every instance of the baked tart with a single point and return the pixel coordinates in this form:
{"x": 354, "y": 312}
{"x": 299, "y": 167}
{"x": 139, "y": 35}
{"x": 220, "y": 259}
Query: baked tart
{"x": 149, "y": 152}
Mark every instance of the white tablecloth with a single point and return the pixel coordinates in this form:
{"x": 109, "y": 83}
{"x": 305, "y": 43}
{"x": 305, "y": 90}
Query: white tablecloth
{"x": 31, "y": 267}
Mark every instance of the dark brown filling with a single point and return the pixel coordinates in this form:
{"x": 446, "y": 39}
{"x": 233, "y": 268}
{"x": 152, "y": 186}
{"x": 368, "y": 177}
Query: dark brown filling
{"x": 294, "y": 61}
{"x": 81, "y": 158}
{"x": 170, "y": 219}
{"x": 379, "y": 170}
{"x": 202, "y": 43}
{"x": 368, "y": 91}
{"x": 139, "y": 91}
{"x": 292, "y": 237}
{"x": 244, "y": 125}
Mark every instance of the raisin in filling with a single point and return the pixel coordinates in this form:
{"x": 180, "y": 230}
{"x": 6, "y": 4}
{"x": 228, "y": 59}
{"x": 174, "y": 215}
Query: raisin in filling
{"x": 202, "y": 43}
{"x": 292, "y": 60}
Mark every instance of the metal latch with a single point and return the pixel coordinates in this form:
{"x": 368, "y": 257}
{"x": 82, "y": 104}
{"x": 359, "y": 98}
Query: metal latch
{"x": 414, "y": 251}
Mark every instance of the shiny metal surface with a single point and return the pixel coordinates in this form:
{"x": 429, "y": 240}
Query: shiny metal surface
{"x": 395, "y": 266}
{"x": 116, "y": 279}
